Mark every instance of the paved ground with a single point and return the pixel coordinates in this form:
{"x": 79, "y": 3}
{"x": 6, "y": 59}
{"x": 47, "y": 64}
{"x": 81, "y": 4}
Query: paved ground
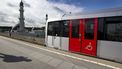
{"x": 16, "y": 54}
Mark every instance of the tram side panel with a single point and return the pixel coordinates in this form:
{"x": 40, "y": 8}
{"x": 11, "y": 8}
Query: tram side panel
{"x": 65, "y": 43}
{"x": 110, "y": 50}
{"x": 109, "y": 44}
{"x": 50, "y": 41}
{"x": 65, "y": 35}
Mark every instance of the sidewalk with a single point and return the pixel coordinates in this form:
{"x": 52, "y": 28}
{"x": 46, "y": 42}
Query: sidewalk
{"x": 73, "y": 56}
{"x": 94, "y": 60}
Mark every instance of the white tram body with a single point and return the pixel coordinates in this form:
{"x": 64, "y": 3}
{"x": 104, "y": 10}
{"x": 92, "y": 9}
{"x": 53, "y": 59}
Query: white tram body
{"x": 56, "y": 41}
{"x": 96, "y": 34}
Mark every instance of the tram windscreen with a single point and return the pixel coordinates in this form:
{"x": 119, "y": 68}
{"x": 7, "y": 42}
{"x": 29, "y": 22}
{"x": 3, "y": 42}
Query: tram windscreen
{"x": 50, "y": 28}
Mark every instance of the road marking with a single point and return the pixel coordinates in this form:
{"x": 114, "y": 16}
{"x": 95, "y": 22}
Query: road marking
{"x": 98, "y": 63}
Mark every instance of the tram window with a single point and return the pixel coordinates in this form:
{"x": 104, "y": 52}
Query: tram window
{"x": 50, "y": 29}
{"x": 65, "y": 28}
{"x": 114, "y": 31}
{"x": 101, "y": 33}
{"x": 56, "y": 29}
{"x": 75, "y": 28}
{"x": 89, "y": 29}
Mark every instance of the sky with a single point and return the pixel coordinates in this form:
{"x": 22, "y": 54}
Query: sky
{"x": 35, "y": 10}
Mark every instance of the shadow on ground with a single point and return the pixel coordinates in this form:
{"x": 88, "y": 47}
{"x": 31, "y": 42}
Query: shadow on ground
{"x": 12, "y": 58}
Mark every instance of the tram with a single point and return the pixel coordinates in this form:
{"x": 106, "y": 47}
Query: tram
{"x": 97, "y": 34}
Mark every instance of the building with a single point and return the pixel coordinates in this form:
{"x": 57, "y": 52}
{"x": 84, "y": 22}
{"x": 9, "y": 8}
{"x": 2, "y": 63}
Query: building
{"x": 20, "y": 27}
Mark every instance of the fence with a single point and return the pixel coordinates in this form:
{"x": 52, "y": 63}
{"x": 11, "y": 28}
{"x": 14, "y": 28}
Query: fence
{"x": 29, "y": 37}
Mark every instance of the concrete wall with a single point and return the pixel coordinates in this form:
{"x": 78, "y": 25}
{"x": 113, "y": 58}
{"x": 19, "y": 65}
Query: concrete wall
{"x": 36, "y": 40}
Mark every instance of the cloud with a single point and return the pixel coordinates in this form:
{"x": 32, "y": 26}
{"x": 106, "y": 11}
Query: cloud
{"x": 30, "y": 20}
{"x": 59, "y": 10}
{"x": 11, "y": 5}
{"x": 26, "y": 4}
{"x": 68, "y": 8}
{"x": 2, "y": 14}
{"x": 15, "y": 5}
{"x": 34, "y": 11}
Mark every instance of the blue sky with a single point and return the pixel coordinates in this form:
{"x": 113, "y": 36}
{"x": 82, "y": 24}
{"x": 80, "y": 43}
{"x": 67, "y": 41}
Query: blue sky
{"x": 35, "y": 10}
{"x": 90, "y": 5}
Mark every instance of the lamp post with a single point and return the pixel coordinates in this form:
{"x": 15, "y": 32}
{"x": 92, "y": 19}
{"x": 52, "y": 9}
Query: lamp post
{"x": 46, "y": 18}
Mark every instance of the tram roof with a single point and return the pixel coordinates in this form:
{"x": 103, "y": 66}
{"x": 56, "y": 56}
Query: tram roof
{"x": 53, "y": 19}
{"x": 96, "y": 14}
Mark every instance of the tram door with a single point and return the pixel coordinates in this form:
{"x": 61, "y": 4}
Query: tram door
{"x": 74, "y": 39}
{"x": 89, "y": 36}
{"x": 83, "y": 36}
